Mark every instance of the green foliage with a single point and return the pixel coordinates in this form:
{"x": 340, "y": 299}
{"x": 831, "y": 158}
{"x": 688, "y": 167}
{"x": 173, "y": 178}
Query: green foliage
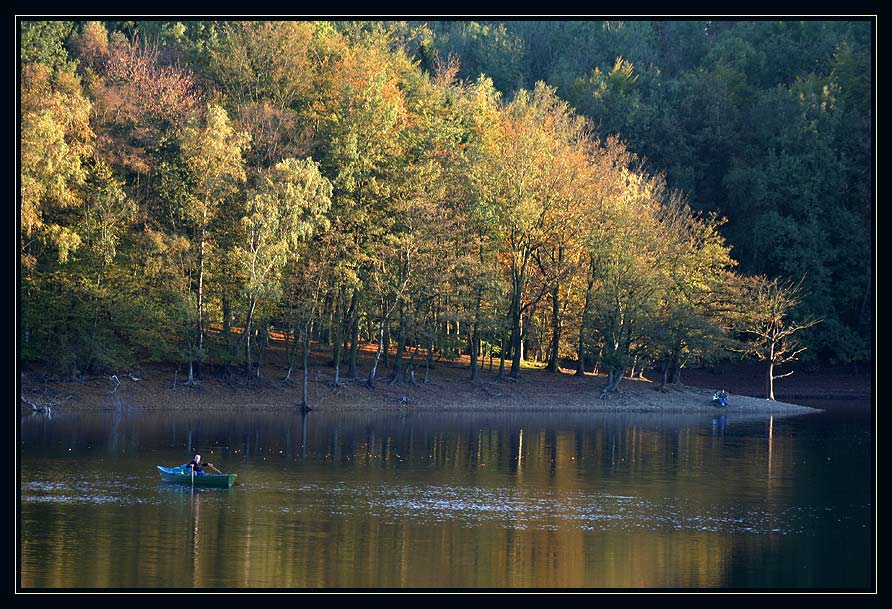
{"x": 172, "y": 186}
{"x": 765, "y": 122}
{"x": 44, "y": 42}
{"x": 107, "y": 211}
{"x": 482, "y": 48}
{"x": 289, "y": 204}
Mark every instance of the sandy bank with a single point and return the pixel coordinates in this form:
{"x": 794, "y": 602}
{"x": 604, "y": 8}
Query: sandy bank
{"x": 448, "y": 390}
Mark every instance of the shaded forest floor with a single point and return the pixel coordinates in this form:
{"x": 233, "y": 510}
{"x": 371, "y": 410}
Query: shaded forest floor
{"x": 161, "y": 388}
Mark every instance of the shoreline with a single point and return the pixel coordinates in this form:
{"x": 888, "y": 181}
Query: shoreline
{"x": 449, "y": 390}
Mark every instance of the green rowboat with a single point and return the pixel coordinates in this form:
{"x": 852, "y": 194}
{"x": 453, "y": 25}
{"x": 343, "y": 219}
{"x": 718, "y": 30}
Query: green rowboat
{"x": 183, "y": 475}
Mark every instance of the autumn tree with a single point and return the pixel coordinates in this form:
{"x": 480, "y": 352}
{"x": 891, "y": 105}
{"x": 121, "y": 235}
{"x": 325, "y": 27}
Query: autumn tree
{"x": 768, "y": 325}
{"x": 627, "y": 283}
{"x": 305, "y": 287}
{"x": 56, "y": 146}
{"x": 286, "y": 207}
{"x": 523, "y": 180}
{"x": 212, "y": 150}
{"x": 139, "y": 102}
{"x": 56, "y": 140}
{"x": 697, "y": 299}
{"x": 361, "y": 124}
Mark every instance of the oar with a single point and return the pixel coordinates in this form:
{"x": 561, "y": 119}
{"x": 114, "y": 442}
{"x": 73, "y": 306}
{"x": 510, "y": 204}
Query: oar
{"x": 211, "y": 465}
{"x": 192, "y": 469}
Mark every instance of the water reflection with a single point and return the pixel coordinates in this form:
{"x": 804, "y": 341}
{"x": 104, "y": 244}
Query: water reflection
{"x": 447, "y": 500}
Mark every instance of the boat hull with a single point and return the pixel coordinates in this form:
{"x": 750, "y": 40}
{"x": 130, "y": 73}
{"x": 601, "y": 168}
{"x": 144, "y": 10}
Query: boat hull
{"x": 179, "y": 476}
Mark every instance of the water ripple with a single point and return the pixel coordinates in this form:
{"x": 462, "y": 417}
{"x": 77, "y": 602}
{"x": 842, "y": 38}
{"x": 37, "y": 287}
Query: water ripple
{"x": 590, "y": 512}
{"x": 94, "y": 499}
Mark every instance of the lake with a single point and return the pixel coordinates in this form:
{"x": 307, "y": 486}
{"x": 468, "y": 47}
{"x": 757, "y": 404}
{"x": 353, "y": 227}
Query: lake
{"x": 401, "y": 500}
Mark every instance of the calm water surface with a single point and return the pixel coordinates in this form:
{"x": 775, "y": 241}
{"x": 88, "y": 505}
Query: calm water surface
{"x": 418, "y": 500}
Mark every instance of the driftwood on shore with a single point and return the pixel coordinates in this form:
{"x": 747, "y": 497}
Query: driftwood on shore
{"x": 39, "y": 397}
{"x": 38, "y": 406}
{"x": 534, "y": 391}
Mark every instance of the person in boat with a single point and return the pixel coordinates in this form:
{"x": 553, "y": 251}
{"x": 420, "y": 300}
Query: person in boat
{"x": 197, "y": 465}
{"x": 720, "y": 397}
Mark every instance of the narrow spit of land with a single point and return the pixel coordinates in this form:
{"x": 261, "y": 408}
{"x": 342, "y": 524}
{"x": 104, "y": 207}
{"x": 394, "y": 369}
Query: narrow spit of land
{"x": 449, "y": 389}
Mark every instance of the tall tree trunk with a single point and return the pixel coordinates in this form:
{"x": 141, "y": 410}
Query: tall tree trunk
{"x": 772, "y": 345}
{"x": 427, "y": 360}
{"x": 397, "y": 375}
{"x": 633, "y": 368}
{"x": 200, "y": 299}
{"x": 501, "y": 375}
{"x": 262, "y": 340}
{"x": 447, "y": 326}
{"x": 305, "y": 385}
{"x": 371, "y": 382}
{"x": 338, "y": 347}
{"x": 352, "y": 371}
{"x": 553, "y": 359}
{"x": 614, "y": 376}
{"x": 410, "y": 367}
{"x": 581, "y": 349}
{"x": 516, "y": 331}
{"x": 457, "y": 334}
{"x": 521, "y": 344}
{"x": 516, "y": 352}
{"x": 292, "y": 357}
{"x": 474, "y": 346}
{"x": 247, "y": 333}
{"x": 352, "y": 320}
{"x": 475, "y": 331}
{"x": 338, "y": 338}
{"x": 672, "y": 368}
{"x": 227, "y": 319}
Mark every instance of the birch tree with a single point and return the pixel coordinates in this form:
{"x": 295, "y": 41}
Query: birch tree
{"x": 213, "y": 152}
{"x": 288, "y": 205}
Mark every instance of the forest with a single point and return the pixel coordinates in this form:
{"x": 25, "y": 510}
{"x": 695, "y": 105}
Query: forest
{"x": 594, "y": 195}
